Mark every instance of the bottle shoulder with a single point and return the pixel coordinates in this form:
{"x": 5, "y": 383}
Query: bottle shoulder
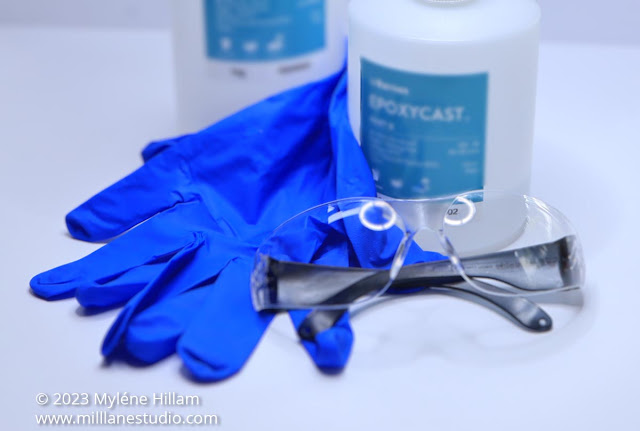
{"x": 465, "y": 21}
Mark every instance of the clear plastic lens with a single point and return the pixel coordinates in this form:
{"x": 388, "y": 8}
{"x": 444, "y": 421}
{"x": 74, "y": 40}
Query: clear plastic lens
{"x": 330, "y": 256}
{"x": 352, "y": 250}
{"x": 482, "y": 222}
{"x": 514, "y": 244}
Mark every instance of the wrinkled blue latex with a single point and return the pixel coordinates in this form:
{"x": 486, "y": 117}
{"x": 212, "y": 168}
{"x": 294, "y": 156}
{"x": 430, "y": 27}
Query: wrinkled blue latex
{"x": 192, "y": 217}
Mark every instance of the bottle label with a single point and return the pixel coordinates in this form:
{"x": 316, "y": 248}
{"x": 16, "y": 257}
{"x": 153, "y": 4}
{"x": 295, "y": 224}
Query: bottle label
{"x": 263, "y": 30}
{"x": 423, "y": 135}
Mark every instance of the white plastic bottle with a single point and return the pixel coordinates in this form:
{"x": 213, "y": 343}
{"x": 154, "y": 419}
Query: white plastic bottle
{"x": 229, "y": 54}
{"x": 442, "y": 93}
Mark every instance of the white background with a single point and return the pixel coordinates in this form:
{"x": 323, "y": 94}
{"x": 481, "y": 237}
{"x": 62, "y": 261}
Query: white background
{"x": 431, "y": 364}
{"x": 613, "y": 21}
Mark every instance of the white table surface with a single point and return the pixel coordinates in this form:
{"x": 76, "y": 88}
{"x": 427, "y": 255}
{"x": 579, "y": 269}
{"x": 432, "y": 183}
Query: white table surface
{"x": 77, "y": 106}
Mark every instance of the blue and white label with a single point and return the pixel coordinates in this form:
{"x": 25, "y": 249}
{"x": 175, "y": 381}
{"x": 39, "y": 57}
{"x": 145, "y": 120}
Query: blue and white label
{"x": 423, "y": 135}
{"x": 263, "y": 30}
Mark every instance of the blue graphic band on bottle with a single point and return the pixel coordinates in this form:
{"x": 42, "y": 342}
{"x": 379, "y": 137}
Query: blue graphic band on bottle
{"x": 263, "y": 30}
{"x": 423, "y": 135}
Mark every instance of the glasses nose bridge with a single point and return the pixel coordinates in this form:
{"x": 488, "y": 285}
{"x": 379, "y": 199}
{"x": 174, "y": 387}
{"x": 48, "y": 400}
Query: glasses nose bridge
{"x": 421, "y": 215}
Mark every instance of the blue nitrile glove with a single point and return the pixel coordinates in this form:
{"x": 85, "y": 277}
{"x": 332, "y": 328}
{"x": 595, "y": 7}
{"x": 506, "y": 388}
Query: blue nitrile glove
{"x": 207, "y": 200}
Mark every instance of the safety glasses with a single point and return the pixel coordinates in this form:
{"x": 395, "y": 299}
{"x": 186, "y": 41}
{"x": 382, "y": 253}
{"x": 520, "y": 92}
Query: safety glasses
{"x": 353, "y": 250}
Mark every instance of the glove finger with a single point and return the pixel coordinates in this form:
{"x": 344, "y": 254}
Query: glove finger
{"x": 330, "y": 349}
{"x": 110, "y": 272}
{"x": 149, "y": 190}
{"x": 158, "y": 147}
{"x": 116, "y": 292}
{"x": 226, "y": 330}
{"x": 195, "y": 265}
{"x": 152, "y": 335}
{"x": 167, "y": 281}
